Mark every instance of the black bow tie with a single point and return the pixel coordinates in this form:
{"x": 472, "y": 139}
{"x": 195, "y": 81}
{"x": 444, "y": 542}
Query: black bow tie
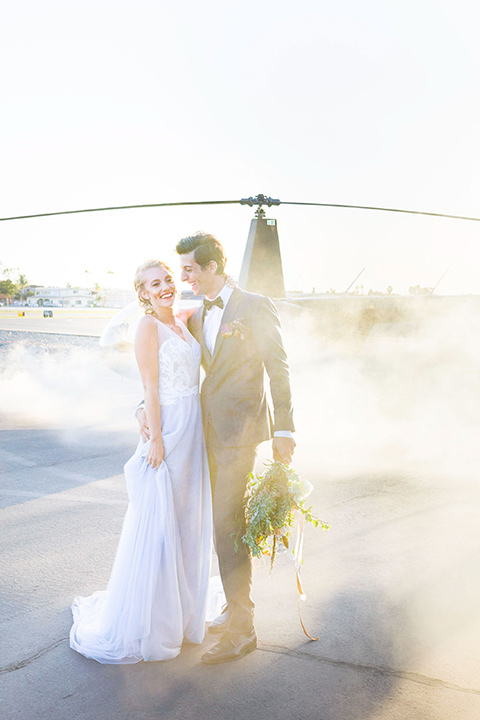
{"x": 208, "y": 304}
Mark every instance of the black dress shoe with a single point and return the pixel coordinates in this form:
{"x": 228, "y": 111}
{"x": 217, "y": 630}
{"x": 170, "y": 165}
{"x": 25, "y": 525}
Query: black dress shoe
{"x": 232, "y": 646}
{"x": 220, "y": 623}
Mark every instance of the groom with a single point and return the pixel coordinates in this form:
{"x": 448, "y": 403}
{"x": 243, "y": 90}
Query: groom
{"x": 240, "y": 338}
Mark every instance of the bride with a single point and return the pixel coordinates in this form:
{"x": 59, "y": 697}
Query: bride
{"x": 157, "y": 593}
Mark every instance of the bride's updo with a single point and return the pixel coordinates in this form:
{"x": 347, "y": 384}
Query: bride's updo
{"x": 139, "y": 282}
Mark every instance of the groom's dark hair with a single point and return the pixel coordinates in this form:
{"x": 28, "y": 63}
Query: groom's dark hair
{"x": 205, "y": 248}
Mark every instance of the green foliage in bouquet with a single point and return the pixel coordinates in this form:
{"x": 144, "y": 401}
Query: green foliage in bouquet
{"x": 271, "y": 502}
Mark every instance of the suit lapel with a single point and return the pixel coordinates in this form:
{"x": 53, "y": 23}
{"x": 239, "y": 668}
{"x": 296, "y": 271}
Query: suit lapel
{"x": 228, "y": 315}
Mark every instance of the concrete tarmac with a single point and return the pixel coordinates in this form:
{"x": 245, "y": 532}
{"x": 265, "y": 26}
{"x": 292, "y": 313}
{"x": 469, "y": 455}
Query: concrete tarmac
{"x": 68, "y": 322}
{"x": 392, "y": 588}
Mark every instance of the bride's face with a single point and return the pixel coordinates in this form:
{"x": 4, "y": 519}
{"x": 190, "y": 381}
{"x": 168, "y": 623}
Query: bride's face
{"x": 159, "y": 287}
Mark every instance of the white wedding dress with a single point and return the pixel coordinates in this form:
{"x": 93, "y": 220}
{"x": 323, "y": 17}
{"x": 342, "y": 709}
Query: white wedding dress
{"x": 156, "y": 597}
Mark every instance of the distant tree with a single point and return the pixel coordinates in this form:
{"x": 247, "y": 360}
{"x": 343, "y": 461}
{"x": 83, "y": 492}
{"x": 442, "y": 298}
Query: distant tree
{"x": 99, "y": 295}
{"x": 7, "y": 289}
{"x": 22, "y": 284}
{"x": 6, "y": 271}
{"x": 419, "y": 290}
{"x": 389, "y": 291}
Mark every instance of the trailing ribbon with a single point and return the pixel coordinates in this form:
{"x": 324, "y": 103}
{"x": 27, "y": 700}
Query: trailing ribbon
{"x": 297, "y": 554}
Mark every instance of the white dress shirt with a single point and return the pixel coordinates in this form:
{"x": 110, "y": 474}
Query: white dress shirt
{"x": 211, "y": 327}
{"x": 213, "y": 318}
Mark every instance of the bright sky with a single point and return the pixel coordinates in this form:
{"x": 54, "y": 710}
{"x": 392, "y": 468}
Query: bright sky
{"x": 134, "y": 101}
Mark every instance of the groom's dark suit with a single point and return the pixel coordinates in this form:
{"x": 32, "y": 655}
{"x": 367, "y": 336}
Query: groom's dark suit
{"x": 236, "y": 419}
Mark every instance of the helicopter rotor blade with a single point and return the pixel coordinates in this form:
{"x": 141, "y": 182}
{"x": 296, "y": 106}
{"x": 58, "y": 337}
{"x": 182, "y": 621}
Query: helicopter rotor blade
{"x": 258, "y": 200}
{"x": 384, "y": 209}
{"x": 123, "y": 207}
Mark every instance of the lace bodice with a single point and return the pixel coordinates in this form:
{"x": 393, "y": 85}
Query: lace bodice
{"x": 179, "y": 363}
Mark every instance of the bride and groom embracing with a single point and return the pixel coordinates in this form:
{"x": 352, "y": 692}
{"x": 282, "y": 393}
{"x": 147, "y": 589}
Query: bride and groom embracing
{"x": 157, "y": 594}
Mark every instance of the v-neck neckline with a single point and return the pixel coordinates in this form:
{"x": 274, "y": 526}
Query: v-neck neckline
{"x": 175, "y": 334}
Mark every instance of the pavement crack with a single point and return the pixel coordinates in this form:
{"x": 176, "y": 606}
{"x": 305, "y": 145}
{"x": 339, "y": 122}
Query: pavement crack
{"x": 23, "y": 663}
{"x": 299, "y": 654}
{"x": 378, "y": 669}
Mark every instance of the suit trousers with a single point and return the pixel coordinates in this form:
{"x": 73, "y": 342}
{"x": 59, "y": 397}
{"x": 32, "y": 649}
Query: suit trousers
{"x": 229, "y": 469}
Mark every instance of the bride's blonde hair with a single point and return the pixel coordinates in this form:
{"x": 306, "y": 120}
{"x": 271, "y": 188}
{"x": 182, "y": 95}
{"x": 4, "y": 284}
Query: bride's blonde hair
{"x": 139, "y": 282}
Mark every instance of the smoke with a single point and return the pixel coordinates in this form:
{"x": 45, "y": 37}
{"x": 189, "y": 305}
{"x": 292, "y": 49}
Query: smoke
{"x": 388, "y": 432}
{"x": 401, "y": 396}
{"x": 65, "y": 387}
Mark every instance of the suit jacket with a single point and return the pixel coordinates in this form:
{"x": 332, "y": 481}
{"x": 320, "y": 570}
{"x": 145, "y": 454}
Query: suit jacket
{"x": 233, "y": 393}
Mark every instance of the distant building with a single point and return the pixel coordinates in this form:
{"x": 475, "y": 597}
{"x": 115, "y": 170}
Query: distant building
{"x": 61, "y": 297}
{"x": 70, "y": 297}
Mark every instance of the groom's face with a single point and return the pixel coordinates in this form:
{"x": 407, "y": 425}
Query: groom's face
{"x": 200, "y": 280}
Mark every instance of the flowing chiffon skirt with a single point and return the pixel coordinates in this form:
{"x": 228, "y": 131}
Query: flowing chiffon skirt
{"x": 157, "y": 594}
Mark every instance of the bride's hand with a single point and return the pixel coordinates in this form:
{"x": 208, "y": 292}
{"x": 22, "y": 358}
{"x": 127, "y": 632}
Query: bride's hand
{"x": 230, "y": 282}
{"x": 155, "y": 453}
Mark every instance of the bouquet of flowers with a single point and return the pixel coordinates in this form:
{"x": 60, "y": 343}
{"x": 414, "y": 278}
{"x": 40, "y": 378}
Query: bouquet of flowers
{"x": 271, "y": 502}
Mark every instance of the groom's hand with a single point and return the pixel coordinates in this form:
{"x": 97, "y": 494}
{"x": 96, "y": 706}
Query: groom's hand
{"x": 142, "y": 421}
{"x": 184, "y": 314}
{"x": 283, "y": 448}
